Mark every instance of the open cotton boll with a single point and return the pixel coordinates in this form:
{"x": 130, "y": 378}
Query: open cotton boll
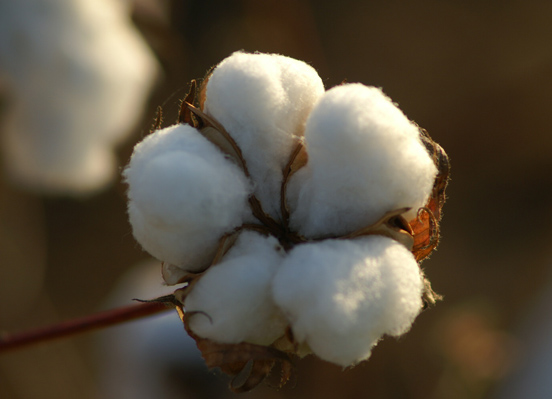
{"x": 341, "y": 296}
{"x": 183, "y": 196}
{"x": 365, "y": 159}
{"x": 234, "y": 297}
{"x": 77, "y": 75}
{"x": 263, "y": 100}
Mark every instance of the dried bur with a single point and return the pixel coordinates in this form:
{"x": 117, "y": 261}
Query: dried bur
{"x": 249, "y": 364}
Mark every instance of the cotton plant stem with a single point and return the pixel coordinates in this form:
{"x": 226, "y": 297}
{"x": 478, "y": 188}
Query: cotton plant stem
{"x": 81, "y": 325}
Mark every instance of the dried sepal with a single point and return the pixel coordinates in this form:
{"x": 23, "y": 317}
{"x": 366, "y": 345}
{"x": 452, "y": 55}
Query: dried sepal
{"x": 426, "y": 233}
{"x": 225, "y": 243}
{"x": 203, "y": 88}
{"x": 425, "y": 226}
{"x": 429, "y": 296}
{"x": 248, "y": 364}
{"x": 169, "y": 300}
{"x": 213, "y": 131}
{"x": 287, "y": 343}
{"x": 189, "y": 279}
{"x": 173, "y": 274}
{"x": 158, "y": 120}
{"x": 261, "y": 215}
{"x": 185, "y": 115}
{"x": 392, "y": 225}
{"x": 298, "y": 159}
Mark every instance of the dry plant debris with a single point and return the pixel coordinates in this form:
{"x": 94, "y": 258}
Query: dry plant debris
{"x": 292, "y": 218}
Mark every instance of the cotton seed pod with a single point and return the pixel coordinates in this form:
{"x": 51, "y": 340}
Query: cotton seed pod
{"x": 321, "y": 256}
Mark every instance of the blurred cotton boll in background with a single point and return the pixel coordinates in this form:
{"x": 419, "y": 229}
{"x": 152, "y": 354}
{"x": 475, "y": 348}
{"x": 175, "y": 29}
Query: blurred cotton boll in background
{"x": 530, "y": 376}
{"x": 152, "y": 357}
{"x": 75, "y": 75}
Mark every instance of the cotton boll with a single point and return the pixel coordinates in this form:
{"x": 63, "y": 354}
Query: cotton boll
{"x": 263, "y": 101}
{"x": 234, "y": 297}
{"x": 365, "y": 159}
{"x": 341, "y": 296}
{"x": 77, "y": 75}
{"x": 72, "y": 165}
{"x": 184, "y": 195}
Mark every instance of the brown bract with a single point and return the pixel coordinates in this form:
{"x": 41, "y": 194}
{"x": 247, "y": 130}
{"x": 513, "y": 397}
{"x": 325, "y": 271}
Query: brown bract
{"x": 425, "y": 227}
{"x": 249, "y": 364}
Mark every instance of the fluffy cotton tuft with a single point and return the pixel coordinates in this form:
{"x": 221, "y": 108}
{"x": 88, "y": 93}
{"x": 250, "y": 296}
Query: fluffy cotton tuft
{"x": 235, "y": 296}
{"x": 263, "y": 101}
{"x": 183, "y": 196}
{"x": 365, "y": 159}
{"x": 77, "y": 75}
{"x": 342, "y": 296}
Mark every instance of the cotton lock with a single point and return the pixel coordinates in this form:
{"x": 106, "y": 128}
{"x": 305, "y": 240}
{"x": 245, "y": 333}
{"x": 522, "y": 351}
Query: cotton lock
{"x": 365, "y": 158}
{"x": 233, "y": 302}
{"x": 263, "y": 101}
{"x": 348, "y": 295}
{"x": 183, "y": 196}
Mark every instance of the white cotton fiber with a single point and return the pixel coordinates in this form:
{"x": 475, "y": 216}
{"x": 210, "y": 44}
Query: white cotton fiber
{"x": 365, "y": 159}
{"x": 235, "y": 296}
{"x": 341, "y": 296}
{"x": 263, "y": 101}
{"x": 183, "y": 196}
{"x": 76, "y": 75}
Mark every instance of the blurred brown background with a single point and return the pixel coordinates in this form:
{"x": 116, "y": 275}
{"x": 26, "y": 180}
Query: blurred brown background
{"x": 476, "y": 74}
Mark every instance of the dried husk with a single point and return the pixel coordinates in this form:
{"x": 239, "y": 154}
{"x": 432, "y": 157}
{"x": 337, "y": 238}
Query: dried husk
{"x": 247, "y": 363}
{"x": 425, "y": 226}
{"x": 298, "y": 159}
{"x": 392, "y": 225}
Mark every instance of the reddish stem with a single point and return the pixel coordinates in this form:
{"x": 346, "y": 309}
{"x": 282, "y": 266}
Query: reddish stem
{"x": 80, "y": 325}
